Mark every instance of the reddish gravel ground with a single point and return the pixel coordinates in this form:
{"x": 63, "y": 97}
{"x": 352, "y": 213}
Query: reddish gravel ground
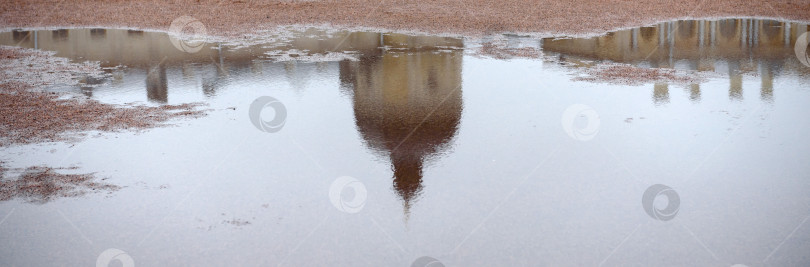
{"x": 231, "y": 18}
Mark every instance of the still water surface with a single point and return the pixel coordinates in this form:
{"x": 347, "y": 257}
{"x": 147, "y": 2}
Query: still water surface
{"x": 396, "y": 147}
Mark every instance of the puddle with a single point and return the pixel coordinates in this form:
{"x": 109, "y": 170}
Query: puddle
{"x": 347, "y": 148}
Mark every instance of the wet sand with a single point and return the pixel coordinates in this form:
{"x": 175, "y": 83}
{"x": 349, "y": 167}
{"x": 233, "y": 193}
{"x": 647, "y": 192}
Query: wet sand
{"x": 233, "y": 18}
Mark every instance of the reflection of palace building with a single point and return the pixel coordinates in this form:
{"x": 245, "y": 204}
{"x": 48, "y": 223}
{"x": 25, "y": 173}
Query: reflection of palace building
{"x": 406, "y": 90}
{"x": 732, "y": 46}
{"x": 407, "y": 102}
{"x": 154, "y": 54}
{"x": 743, "y": 45}
{"x": 135, "y": 49}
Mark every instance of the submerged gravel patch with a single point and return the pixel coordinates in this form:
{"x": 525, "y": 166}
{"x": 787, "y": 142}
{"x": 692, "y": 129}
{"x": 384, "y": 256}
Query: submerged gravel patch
{"x": 40, "y": 185}
{"x": 618, "y": 73}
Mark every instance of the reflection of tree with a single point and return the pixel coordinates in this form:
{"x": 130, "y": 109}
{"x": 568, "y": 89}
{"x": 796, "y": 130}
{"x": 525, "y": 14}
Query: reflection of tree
{"x": 407, "y": 107}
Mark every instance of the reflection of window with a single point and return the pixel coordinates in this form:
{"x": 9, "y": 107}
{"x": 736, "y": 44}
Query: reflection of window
{"x": 98, "y": 33}
{"x": 728, "y": 28}
{"x": 134, "y": 33}
{"x": 771, "y": 29}
{"x": 686, "y": 28}
{"x": 648, "y": 33}
{"x": 20, "y": 36}
{"x": 59, "y": 35}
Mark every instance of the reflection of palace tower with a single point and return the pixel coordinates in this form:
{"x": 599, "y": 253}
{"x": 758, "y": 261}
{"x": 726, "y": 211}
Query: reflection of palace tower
{"x": 735, "y": 46}
{"x": 407, "y": 102}
{"x": 406, "y": 90}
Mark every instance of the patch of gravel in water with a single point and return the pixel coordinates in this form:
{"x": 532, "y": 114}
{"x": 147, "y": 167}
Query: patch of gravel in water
{"x": 40, "y": 185}
{"x": 619, "y": 73}
{"x": 500, "y": 51}
{"x": 36, "y": 68}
